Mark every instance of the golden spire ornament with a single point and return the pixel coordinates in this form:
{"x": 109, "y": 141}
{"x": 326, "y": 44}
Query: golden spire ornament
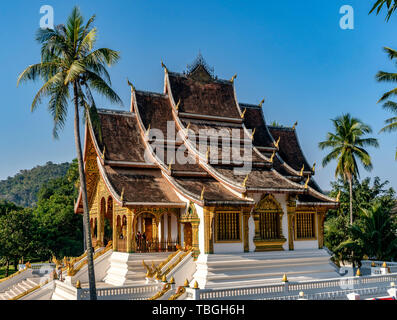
{"x": 202, "y": 194}
{"x": 122, "y": 195}
{"x": 272, "y": 157}
{"x": 243, "y": 114}
{"x": 262, "y": 102}
{"x": 314, "y": 167}
{"x": 276, "y": 143}
{"x": 233, "y": 78}
{"x": 301, "y": 173}
{"x": 294, "y": 126}
{"x": 284, "y": 279}
{"x": 177, "y": 105}
{"x": 307, "y": 182}
{"x": 245, "y": 181}
{"x": 131, "y": 85}
{"x": 163, "y": 66}
{"x": 253, "y": 133}
{"x": 186, "y": 284}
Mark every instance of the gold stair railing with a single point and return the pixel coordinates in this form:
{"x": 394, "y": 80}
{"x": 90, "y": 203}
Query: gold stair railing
{"x": 27, "y": 266}
{"x": 21, "y": 295}
{"x": 164, "y": 290}
{"x": 180, "y": 291}
{"x": 156, "y": 271}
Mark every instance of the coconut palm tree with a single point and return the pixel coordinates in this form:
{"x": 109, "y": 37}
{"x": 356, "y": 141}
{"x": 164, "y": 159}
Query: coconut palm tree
{"x": 71, "y": 70}
{"x": 347, "y": 144}
{"x": 382, "y": 76}
{"x": 391, "y": 6}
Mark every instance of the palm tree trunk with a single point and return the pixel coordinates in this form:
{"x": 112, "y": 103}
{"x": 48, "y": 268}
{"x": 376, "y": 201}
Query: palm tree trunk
{"x": 83, "y": 186}
{"x": 351, "y": 200}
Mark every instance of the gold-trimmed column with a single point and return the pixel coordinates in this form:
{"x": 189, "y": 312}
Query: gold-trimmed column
{"x": 195, "y": 238}
{"x": 291, "y": 210}
{"x": 115, "y": 236}
{"x": 129, "y": 231}
{"x": 320, "y": 228}
{"x": 246, "y": 216}
{"x": 208, "y": 234}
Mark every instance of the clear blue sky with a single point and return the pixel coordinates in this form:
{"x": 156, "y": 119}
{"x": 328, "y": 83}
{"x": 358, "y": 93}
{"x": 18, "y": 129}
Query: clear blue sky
{"x": 291, "y": 52}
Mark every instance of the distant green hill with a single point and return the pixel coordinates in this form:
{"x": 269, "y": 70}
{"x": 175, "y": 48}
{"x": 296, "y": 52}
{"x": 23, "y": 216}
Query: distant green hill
{"x": 22, "y": 189}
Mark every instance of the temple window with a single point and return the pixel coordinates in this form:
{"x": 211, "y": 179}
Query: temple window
{"x": 228, "y": 226}
{"x": 305, "y": 225}
{"x": 270, "y": 225}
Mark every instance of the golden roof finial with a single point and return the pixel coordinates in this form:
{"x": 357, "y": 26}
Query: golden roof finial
{"x": 122, "y": 195}
{"x": 373, "y": 265}
{"x": 233, "y": 78}
{"x": 314, "y": 167}
{"x": 285, "y": 279}
{"x": 384, "y": 265}
{"x": 177, "y": 105}
{"x": 307, "y": 182}
{"x": 358, "y": 273}
{"x": 272, "y": 157}
{"x": 131, "y": 85}
{"x": 243, "y": 114}
{"x": 148, "y": 130}
{"x": 164, "y": 278}
{"x": 262, "y": 102}
{"x": 172, "y": 280}
{"x": 276, "y": 143}
{"x": 78, "y": 284}
{"x": 294, "y": 126}
{"x": 338, "y": 197}
{"x": 103, "y": 153}
{"x": 195, "y": 286}
{"x": 301, "y": 173}
{"x": 253, "y": 133}
{"x": 186, "y": 284}
{"x": 163, "y": 65}
{"x": 245, "y": 181}
{"x": 202, "y": 193}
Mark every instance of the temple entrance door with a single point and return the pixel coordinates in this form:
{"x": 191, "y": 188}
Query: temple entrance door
{"x": 188, "y": 234}
{"x": 149, "y": 229}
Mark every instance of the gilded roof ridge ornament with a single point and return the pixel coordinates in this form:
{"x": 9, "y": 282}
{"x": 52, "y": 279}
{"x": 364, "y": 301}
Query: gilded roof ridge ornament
{"x": 294, "y": 126}
{"x": 103, "y": 153}
{"x": 245, "y": 181}
{"x": 338, "y": 197}
{"x": 307, "y": 182}
{"x": 131, "y": 85}
{"x": 202, "y": 193}
{"x": 148, "y": 130}
{"x": 122, "y": 194}
{"x": 276, "y": 143}
{"x": 262, "y": 102}
{"x": 177, "y": 105}
{"x": 243, "y": 114}
{"x": 314, "y": 167}
{"x": 272, "y": 157}
{"x": 253, "y": 133}
{"x": 301, "y": 172}
{"x": 233, "y": 78}
{"x": 164, "y": 66}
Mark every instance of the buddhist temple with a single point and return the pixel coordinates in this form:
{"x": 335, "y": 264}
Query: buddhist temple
{"x": 194, "y": 167}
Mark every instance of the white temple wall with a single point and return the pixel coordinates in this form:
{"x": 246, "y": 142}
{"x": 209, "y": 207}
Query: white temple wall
{"x": 228, "y": 247}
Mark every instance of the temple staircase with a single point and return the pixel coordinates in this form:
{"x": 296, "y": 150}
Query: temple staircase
{"x": 259, "y": 268}
{"x": 20, "y": 288}
{"x": 128, "y": 269}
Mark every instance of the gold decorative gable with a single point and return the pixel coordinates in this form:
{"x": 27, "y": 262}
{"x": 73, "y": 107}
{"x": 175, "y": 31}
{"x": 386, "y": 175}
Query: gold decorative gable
{"x": 268, "y": 203}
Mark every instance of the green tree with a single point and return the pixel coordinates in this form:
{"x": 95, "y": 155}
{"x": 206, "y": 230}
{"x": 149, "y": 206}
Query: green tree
{"x": 17, "y": 236}
{"x": 373, "y": 235}
{"x": 71, "y": 70}
{"x": 391, "y": 6}
{"x": 347, "y": 145}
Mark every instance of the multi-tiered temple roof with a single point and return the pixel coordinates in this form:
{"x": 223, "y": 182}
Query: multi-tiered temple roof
{"x": 136, "y": 175}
